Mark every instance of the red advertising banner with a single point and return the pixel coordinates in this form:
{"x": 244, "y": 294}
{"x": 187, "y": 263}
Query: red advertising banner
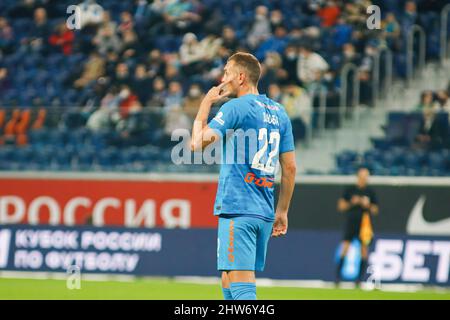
{"x": 97, "y": 202}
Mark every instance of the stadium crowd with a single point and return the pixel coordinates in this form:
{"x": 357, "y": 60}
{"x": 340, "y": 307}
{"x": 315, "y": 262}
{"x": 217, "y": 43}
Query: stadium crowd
{"x": 138, "y": 69}
{"x": 416, "y": 143}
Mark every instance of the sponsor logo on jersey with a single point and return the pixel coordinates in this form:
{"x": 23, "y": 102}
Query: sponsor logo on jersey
{"x": 264, "y": 182}
{"x": 219, "y": 119}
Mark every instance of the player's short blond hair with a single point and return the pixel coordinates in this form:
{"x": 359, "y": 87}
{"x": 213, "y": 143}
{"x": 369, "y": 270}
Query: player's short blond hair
{"x": 249, "y": 63}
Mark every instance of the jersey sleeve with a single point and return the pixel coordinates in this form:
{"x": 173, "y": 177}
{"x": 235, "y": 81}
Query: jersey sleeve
{"x": 347, "y": 194}
{"x": 373, "y": 197}
{"x": 287, "y": 138}
{"x": 229, "y": 116}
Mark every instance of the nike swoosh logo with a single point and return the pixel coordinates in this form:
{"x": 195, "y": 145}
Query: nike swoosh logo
{"x": 418, "y": 226}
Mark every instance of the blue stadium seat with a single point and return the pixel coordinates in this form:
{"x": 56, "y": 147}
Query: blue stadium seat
{"x": 38, "y": 137}
{"x": 437, "y": 161}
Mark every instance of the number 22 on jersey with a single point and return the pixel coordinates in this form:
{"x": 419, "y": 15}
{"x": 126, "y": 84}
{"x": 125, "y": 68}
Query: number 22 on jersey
{"x": 274, "y": 140}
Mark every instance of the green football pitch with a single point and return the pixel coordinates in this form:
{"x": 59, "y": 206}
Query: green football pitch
{"x": 166, "y": 289}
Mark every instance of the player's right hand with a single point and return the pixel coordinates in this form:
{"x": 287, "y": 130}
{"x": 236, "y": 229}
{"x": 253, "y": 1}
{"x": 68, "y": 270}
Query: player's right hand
{"x": 280, "y": 225}
{"x": 216, "y": 93}
{"x": 355, "y": 200}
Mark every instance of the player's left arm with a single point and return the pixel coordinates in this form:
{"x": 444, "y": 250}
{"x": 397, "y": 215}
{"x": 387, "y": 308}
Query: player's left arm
{"x": 202, "y": 134}
{"x": 287, "y": 185}
{"x": 371, "y": 203}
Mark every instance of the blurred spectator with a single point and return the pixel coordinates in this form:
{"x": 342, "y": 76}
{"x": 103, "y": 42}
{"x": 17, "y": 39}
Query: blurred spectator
{"x": 141, "y": 83}
{"x": 141, "y": 14}
{"x": 100, "y": 120}
{"x": 355, "y": 14}
{"x": 129, "y": 102}
{"x": 312, "y": 36}
{"x": 63, "y": 39}
{"x": 310, "y": 66}
{"x": 126, "y": 22}
{"x": 358, "y": 40}
{"x": 131, "y": 131}
{"x": 431, "y": 134}
{"x": 365, "y": 90}
{"x": 108, "y": 22}
{"x": 111, "y": 61}
{"x": 159, "y": 93}
{"x": 297, "y": 104}
{"x": 179, "y": 15}
{"x": 130, "y": 45}
{"x": 172, "y": 73}
{"x": 107, "y": 115}
{"x": 260, "y": 29}
{"x": 329, "y": 14}
{"x": 210, "y": 46}
{"x": 92, "y": 70}
{"x": 91, "y": 13}
{"x": 275, "y": 93}
{"x": 175, "y": 119}
{"x": 391, "y": 29}
{"x": 276, "y": 19}
{"x": 215, "y": 70}
{"x": 229, "y": 39}
{"x": 174, "y": 96}
{"x": 365, "y": 75}
{"x": 342, "y": 33}
{"x": 107, "y": 39}
{"x": 426, "y": 101}
{"x": 122, "y": 75}
{"x": 349, "y": 55}
{"x": 310, "y": 7}
{"x": 92, "y": 101}
{"x": 443, "y": 100}
{"x": 6, "y": 36}
{"x": 367, "y": 61}
{"x": 289, "y": 64}
{"x": 409, "y": 17}
{"x": 155, "y": 64}
{"x": 191, "y": 54}
{"x": 275, "y": 43}
{"x": 192, "y": 101}
{"x": 271, "y": 71}
{"x": 5, "y": 84}
{"x": 295, "y": 34}
{"x": 40, "y": 31}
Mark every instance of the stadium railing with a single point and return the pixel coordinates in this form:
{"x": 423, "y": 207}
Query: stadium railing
{"x": 444, "y": 33}
{"x": 415, "y": 29}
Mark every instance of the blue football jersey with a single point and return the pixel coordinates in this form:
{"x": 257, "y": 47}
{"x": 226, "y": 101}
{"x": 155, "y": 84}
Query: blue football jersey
{"x": 254, "y": 130}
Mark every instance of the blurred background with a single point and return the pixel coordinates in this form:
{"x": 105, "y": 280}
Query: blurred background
{"x": 87, "y": 114}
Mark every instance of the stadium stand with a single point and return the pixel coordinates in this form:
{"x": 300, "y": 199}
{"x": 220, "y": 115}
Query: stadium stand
{"x": 416, "y": 143}
{"x": 106, "y": 97}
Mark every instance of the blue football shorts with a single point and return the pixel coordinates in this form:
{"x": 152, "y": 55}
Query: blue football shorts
{"x": 242, "y": 243}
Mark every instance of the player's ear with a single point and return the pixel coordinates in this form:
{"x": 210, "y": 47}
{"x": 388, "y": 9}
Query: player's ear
{"x": 241, "y": 78}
